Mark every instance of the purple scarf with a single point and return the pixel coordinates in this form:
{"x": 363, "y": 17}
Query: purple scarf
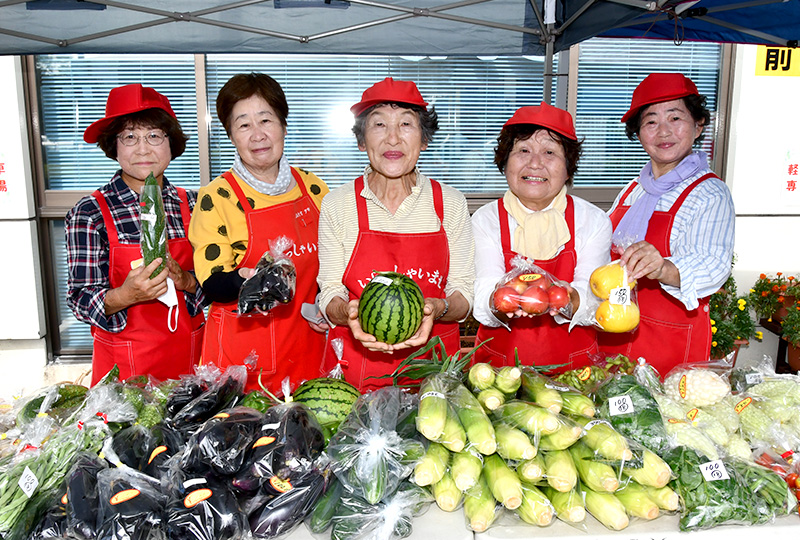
{"x": 633, "y": 225}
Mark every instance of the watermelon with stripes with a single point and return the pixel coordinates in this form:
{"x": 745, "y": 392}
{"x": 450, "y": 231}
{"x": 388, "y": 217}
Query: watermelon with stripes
{"x": 329, "y": 399}
{"x": 391, "y": 307}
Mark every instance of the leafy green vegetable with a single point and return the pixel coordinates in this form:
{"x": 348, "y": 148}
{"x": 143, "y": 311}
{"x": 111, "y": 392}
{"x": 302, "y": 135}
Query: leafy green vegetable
{"x": 710, "y": 503}
{"x": 154, "y": 221}
{"x": 643, "y": 423}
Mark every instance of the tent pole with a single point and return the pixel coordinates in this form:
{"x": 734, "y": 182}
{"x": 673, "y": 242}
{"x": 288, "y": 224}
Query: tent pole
{"x": 548, "y": 72}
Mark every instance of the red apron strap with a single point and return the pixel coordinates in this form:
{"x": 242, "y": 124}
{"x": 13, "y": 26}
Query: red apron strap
{"x": 186, "y": 215}
{"x": 627, "y": 192}
{"x": 108, "y": 220}
{"x": 237, "y": 189}
{"x": 505, "y": 235}
{"x": 682, "y": 197}
{"x": 361, "y": 205}
{"x": 438, "y": 203}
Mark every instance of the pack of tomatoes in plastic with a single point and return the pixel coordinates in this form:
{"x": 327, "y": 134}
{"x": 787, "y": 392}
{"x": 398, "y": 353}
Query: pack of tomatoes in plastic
{"x": 528, "y": 291}
{"x": 618, "y": 311}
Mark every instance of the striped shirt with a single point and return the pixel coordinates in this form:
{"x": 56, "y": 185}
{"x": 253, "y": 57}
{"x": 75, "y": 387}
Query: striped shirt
{"x": 338, "y": 232}
{"x": 702, "y": 236}
{"x": 88, "y": 250}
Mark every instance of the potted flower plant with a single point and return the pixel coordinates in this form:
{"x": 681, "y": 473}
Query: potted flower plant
{"x": 790, "y": 328}
{"x": 770, "y": 296}
{"x": 731, "y": 322}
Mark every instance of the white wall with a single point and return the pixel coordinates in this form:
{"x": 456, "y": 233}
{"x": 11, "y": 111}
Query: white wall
{"x": 764, "y": 141}
{"x": 22, "y": 325}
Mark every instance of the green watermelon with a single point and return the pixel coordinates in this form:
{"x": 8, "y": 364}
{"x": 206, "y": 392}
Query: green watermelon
{"x": 329, "y": 399}
{"x": 391, "y": 307}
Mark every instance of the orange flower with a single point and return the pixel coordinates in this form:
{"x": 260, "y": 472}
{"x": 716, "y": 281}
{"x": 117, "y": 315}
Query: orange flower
{"x": 764, "y": 293}
{"x": 763, "y": 276}
{"x": 783, "y": 287}
{"x": 775, "y": 288}
{"x": 780, "y": 299}
{"x": 779, "y": 274}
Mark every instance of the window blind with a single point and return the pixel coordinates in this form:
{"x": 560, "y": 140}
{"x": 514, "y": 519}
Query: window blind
{"x": 608, "y": 72}
{"x": 73, "y": 89}
{"x": 473, "y": 98}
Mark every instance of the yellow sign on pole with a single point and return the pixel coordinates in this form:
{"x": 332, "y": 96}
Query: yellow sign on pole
{"x": 777, "y": 61}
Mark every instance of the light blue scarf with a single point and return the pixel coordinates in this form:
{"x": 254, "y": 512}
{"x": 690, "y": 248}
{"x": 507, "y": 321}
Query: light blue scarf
{"x": 633, "y": 225}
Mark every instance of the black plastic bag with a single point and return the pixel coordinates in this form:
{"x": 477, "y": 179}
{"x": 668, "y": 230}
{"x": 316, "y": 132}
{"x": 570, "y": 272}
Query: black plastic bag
{"x": 288, "y": 502}
{"x": 82, "y": 496}
{"x": 203, "y": 509}
{"x": 222, "y": 442}
{"x": 131, "y": 506}
{"x": 223, "y": 394}
{"x": 290, "y": 440}
{"x": 274, "y": 280}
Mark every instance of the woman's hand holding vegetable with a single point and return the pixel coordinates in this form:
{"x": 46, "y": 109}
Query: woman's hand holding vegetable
{"x": 341, "y": 312}
{"x": 642, "y": 259}
{"x": 137, "y": 287}
{"x": 184, "y": 281}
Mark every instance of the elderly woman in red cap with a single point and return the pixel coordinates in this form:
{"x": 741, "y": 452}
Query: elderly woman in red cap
{"x": 145, "y": 325}
{"x": 261, "y": 198}
{"x": 393, "y": 218}
{"x": 673, "y": 226}
{"x": 538, "y": 151}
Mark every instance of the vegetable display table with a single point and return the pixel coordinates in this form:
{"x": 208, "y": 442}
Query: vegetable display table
{"x": 665, "y": 527}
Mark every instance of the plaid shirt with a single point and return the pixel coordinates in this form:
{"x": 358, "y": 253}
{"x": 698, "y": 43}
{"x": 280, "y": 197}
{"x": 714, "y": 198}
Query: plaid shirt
{"x": 88, "y": 249}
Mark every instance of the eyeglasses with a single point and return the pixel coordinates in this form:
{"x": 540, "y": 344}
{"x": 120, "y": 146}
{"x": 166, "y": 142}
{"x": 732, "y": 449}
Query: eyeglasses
{"x": 153, "y": 138}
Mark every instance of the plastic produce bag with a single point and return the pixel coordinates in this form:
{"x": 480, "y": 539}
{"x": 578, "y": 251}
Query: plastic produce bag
{"x": 53, "y": 523}
{"x": 82, "y": 496}
{"x": 369, "y": 455}
{"x": 164, "y": 444}
{"x": 528, "y": 291}
{"x": 221, "y": 444}
{"x": 286, "y": 445}
{"x": 697, "y": 385}
{"x": 632, "y": 410}
{"x": 274, "y": 280}
{"x": 713, "y": 492}
{"x": 154, "y": 225}
{"x": 202, "y": 508}
{"x": 222, "y": 394}
{"x": 131, "y": 506}
{"x": 618, "y": 311}
{"x": 391, "y": 519}
{"x": 282, "y": 505}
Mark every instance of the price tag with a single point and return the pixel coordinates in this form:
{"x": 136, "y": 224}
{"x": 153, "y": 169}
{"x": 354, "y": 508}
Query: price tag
{"x": 28, "y": 482}
{"x": 753, "y": 378}
{"x": 150, "y": 218}
{"x": 714, "y": 470}
{"x": 590, "y": 424}
{"x": 620, "y": 405}
{"x": 557, "y": 387}
{"x": 383, "y": 280}
{"x": 620, "y": 296}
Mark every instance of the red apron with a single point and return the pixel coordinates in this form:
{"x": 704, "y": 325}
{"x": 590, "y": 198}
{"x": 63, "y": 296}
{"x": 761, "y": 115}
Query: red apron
{"x": 146, "y": 346}
{"x": 425, "y": 257}
{"x": 668, "y": 334}
{"x": 282, "y": 333}
{"x": 539, "y": 340}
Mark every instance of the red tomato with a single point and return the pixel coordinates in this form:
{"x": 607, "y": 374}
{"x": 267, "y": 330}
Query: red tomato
{"x": 517, "y": 284}
{"x": 791, "y": 479}
{"x": 534, "y": 300}
{"x": 506, "y": 299}
{"x": 537, "y": 280}
{"x": 558, "y": 297}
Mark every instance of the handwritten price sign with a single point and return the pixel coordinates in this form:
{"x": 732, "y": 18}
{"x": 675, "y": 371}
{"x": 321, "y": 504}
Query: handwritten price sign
{"x": 28, "y": 482}
{"x": 620, "y": 405}
{"x": 714, "y": 470}
{"x": 620, "y": 296}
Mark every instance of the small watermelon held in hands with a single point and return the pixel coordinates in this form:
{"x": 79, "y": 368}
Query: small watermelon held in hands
{"x": 390, "y": 307}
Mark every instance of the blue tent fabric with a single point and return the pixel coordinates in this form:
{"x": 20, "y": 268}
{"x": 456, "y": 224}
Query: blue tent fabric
{"x": 402, "y": 27}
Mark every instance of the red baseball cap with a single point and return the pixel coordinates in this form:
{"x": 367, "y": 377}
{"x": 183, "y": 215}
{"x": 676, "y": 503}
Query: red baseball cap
{"x": 127, "y": 99}
{"x": 389, "y": 90}
{"x": 659, "y": 87}
{"x": 547, "y": 116}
